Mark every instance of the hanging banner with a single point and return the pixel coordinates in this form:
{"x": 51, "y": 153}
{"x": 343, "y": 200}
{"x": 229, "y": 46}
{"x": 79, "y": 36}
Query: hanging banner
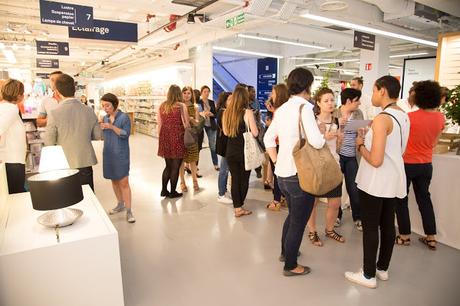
{"x": 267, "y": 74}
{"x": 52, "y": 48}
{"x": 106, "y": 30}
{"x": 47, "y": 63}
{"x": 65, "y": 14}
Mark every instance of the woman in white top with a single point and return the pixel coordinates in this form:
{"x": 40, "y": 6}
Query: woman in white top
{"x": 12, "y": 135}
{"x": 381, "y": 181}
{"x": 285, "y": 127}
{"x": 328, "y": 125}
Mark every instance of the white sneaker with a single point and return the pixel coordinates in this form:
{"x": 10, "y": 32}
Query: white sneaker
{"x": 360, "y": 279}
{"x": 117, "y": 209}
{"x": 130, "y": 217}
{"x": 224, "y": 199}
{"x": 381, "y": 274}
{"x": 359, "y": 225}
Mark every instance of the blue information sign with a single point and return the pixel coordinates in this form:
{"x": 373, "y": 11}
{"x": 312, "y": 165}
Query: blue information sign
{"x": 52, "y": 48}
{"x": 47, "y": 63}
{"x": 106, "y": 30}
{"x": 65, "y": 14}
{"x": 267, "y": 74}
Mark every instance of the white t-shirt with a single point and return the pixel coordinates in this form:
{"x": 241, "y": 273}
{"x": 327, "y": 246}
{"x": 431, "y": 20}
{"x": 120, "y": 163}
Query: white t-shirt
{"x": 12, "y": 135}
{"x": 47, "y": 105}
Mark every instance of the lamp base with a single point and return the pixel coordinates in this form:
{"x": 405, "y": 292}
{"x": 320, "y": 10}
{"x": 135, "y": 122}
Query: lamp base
{"x": 60, "y": 217}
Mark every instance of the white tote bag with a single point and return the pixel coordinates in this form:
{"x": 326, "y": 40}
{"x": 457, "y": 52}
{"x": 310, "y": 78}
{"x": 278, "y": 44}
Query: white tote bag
{"x": 253, "y": 155}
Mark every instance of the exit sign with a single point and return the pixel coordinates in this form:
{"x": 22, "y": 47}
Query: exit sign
{"x": 238, "y": 19}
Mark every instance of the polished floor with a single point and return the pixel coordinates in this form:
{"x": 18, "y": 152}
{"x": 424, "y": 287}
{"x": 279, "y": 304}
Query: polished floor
{"x": 192, "y": 251}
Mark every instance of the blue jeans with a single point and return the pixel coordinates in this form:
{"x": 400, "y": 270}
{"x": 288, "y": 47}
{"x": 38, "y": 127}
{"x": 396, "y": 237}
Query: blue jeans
{"x": 300, "y": 206}
{"x": 223, "y": 176}
{"x": 349, "y": 166}
{"x": 212, "y": 134}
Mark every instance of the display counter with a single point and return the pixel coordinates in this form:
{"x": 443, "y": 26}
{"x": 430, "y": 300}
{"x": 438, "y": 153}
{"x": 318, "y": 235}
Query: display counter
{"x": 445, "y": 195}
{"x": 82, "y": 269}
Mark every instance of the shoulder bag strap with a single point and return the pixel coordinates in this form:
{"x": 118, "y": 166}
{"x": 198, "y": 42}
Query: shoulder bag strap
{"x": 182, "y": 115}
{"x": 301, "y": 127}
{"x": 400, "y": 129}
{"x": 246, "y": 122}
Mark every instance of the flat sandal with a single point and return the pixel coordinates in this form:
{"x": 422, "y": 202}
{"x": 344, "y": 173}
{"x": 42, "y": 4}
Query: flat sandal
{"x": 335, "y": 236}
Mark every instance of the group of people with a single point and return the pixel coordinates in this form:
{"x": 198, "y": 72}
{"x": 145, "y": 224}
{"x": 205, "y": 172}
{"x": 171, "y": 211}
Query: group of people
{"x": 378, "y": 162}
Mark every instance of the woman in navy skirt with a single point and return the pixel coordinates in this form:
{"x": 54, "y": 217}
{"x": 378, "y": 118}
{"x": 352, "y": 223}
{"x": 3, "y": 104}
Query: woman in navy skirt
{"x": 117, "y": 127}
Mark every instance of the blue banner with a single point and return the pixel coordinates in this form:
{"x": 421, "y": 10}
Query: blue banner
{"x": 106, "y": 30}
{"x": 52, "y": 48}
{"x": 47, "y": 63}
{"x": 267, "y": 74}
{"x": 65, "y": 14}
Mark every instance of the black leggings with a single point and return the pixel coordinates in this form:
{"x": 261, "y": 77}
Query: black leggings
{"x": 16, "y": 177}
{"x": 240, "y": 180}
{"x": 171, "y": 173}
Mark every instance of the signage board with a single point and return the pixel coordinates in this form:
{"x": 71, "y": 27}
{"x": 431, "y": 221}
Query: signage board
{"x": 231, "y": 22}
{"x": 42, "y": 75}
{"x": 267, "y": 75}
{"x": 364, "y": 41}
{"x": 65, "y": 14}
{"x": 47, "y": 63}
{"x": 106, "y": 30}
{"x": 52, "y": 48}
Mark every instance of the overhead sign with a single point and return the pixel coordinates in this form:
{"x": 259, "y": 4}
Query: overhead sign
{"x": 364, "y": 41}
{"x": 106, "y": 30}
{"x": 65, "y": 14}
{"x": 42, "y": 75}
{"x": 267, "y": 74}
{"x": 238, "y": 19}
{"x": 52, "y": 48}
{"x": 47, "y": 63}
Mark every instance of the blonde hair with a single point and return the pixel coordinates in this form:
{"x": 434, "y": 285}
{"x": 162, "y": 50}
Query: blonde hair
{"x": 174, "y": 95}
{"x": 11, "y": 90}
{"x": 232, "y": 117}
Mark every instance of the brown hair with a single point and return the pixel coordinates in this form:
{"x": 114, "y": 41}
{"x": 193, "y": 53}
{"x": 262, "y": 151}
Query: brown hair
{"x": 189, "y": 88}
{"x": 205, "y": 87}
{"x": 317, "y": 98}
{"x": 112, "y": 99}
{"x": 174, "y": 95}
{"x": 233, "y": 114}
{"x": 65, "y": 85}
{"x": 11, "y": 90}
{"x": 282, "y": 95}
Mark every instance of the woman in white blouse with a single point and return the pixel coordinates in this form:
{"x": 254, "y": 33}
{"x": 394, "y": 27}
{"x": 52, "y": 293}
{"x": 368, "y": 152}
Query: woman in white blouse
{"x": 12, "y": 135}
{"x": 285, "y": 128}
{"x": 381, "y": 181}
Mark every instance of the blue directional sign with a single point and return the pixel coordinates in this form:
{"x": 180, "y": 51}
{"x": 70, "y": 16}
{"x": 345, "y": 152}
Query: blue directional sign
{"x": 106, "y": 30}
{"x": 47, "y": 63}
{"x": 52, "y": 48}
{"x": 65, "y": 14}
{"x": 267, "y": 74}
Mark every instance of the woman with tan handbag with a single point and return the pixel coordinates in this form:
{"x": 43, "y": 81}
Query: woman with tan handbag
{"x": 286, "y": 130}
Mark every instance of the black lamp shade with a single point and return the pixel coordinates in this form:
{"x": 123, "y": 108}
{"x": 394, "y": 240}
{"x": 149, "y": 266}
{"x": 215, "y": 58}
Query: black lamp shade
{"x": 55, "y": 189}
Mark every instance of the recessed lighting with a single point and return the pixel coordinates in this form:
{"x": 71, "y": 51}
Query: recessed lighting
{"x": 330, "y": 62}
{"x": 281, "y": 41}
{"x": 246, "y": 52}
{"x": 408, "y": 54}
{"x": 369, "y": 29}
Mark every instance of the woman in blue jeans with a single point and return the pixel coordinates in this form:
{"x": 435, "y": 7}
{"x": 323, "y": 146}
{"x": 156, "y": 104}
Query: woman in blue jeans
{"x": 208, "y": 111}
{"x": 285, "y": 128}
{"x": 221, "y": 148}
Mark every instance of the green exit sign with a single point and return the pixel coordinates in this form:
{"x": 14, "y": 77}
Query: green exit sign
{"x": 238, "y": 19}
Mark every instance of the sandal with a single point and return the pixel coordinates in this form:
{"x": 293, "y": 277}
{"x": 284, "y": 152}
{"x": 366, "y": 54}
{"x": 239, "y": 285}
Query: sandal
{"x": 401, "y": 241}
{"x": 334, "y": 235}
{"x": 242, "y": 212}
{"x": 431, "y": 244}
{"x": 183, "y": 187}
{"x": 314, "y": 239}
{"x": 195, "y": 185}
{"x": 283, "y": 202}
{"x": 274, "y": 205}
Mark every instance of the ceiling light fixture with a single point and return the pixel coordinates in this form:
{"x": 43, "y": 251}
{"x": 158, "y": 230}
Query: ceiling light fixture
{"x": 246, "y": 52}
{"x": 330, "y": 62}
{"x": 287, "y": 42}
{"x": 368, "y": 29}
{"x": 9, "y": 55}
{"x": 408, "y": 54}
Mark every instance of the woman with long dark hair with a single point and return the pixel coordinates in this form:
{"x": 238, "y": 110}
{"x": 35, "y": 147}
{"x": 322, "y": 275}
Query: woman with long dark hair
{"x": 221, "y": 149}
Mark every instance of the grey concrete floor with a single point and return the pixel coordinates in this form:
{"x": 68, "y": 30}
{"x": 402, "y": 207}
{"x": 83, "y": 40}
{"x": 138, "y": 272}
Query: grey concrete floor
{"x": 192, "y": 251}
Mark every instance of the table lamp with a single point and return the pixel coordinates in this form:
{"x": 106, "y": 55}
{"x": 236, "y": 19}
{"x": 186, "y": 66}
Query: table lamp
{"x": 52, "y": 158}
{"x": 55, "y": 190}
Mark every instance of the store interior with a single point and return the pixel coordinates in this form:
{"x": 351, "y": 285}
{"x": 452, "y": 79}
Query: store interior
{"x": 192, "y": 251}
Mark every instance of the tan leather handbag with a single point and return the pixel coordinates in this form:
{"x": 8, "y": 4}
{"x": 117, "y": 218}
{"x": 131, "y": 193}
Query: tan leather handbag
{"x": 317, "y": 169}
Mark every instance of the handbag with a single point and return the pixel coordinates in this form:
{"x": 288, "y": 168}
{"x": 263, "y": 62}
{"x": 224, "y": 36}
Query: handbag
{"x": 190, "y": 138}
{"x": 317, "y": 170}
{"x": 253, "y": 155}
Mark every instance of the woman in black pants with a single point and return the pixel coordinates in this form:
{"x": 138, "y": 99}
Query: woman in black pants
{"x": 233, "y": 123}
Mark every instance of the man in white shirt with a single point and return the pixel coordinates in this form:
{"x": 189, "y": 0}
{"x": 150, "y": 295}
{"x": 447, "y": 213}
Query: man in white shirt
{"x": 369, "y": 111}
{"x": 48, "y": 103}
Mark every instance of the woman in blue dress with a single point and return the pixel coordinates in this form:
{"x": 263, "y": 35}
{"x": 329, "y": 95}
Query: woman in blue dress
{"x": 117, "y": 127}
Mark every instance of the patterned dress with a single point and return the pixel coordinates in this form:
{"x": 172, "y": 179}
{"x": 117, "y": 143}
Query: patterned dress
{"x": 171, "y": 138}
{"x": 192, "y": 154}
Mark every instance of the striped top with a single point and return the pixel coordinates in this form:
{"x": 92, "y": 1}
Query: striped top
{"x": 348, "y": 148}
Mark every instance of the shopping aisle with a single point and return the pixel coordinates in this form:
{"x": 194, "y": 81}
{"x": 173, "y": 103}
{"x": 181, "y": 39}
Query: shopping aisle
{"x": 192, "y": 251}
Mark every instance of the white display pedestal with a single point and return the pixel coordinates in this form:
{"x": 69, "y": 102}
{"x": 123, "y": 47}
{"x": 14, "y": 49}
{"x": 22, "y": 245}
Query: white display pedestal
{"x": 82, "y": 269}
